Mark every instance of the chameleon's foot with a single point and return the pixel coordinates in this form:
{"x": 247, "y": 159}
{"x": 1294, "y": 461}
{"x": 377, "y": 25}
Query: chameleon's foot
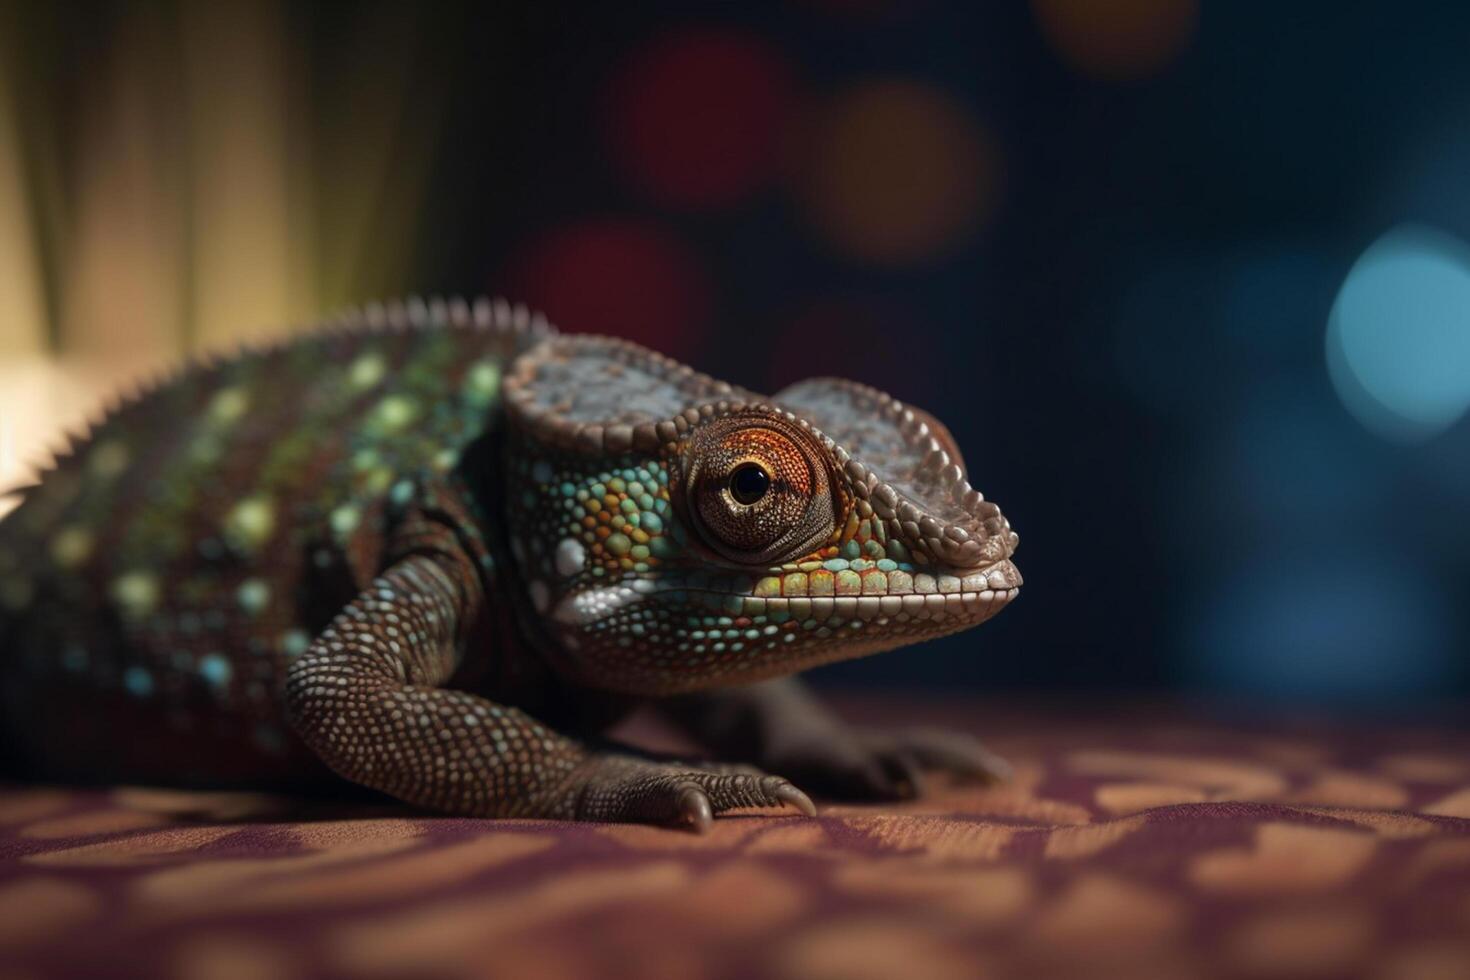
{"x": 626, "y": 789}
{"x": 866, "y": 764}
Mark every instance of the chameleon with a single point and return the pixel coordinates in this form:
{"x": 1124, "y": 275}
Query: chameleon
{"x": 438, "y": 548}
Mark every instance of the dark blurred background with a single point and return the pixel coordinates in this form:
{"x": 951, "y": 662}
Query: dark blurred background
{"x": 1187, "y": 281}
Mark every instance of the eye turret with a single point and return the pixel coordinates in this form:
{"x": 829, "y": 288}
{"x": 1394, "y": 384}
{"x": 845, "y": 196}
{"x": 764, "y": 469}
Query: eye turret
{"x": 759, "y": 489}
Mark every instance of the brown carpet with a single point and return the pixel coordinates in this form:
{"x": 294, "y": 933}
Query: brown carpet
{"x": 1129, "y": 845}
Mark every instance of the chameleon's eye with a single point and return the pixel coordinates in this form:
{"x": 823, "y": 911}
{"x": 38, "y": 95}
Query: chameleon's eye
{"x": 758, "y": 489}
{"x": 749, "y": 483}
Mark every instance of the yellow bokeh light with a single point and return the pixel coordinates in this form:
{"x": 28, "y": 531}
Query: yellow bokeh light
{"x": 198, "y": 188}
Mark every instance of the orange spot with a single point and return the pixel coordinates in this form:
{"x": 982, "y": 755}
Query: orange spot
{"x": 589, "y": 521}
{"x": 603, "y": 532}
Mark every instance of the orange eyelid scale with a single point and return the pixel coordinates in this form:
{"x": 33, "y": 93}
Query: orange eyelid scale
{"x": 782, "y": 459}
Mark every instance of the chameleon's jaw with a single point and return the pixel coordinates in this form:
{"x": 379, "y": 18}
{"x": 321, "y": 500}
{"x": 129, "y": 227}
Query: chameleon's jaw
{"x": 956, "y": 598}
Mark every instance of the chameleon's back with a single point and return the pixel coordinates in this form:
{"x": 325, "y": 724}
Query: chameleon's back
{"x": 157, "y": 582}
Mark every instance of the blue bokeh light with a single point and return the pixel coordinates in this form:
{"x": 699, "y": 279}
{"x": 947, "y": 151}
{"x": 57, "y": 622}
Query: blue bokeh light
{"x": 1325, "y": 630}
{"x": 1398, "y": 336}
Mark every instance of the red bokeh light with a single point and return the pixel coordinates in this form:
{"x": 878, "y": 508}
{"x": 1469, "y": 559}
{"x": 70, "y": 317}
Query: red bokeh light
{"x": 696, "y": 119}
{"x": 616, "y": 276}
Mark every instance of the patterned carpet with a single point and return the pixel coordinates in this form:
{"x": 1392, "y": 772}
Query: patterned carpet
{"x": 1131, "y": 845}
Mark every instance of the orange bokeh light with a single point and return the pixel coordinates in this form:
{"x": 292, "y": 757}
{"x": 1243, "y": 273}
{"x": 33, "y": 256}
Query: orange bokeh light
{"x": 894, "y": 172}
{"x": 1117, "y": 39}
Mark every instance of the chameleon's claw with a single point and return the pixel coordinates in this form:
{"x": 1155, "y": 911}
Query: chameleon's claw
{"x": 791, "y": 796}
{"x": 694, "y": 809}
{"x": 904, "y": 773}
{"x": 955, "y": 752}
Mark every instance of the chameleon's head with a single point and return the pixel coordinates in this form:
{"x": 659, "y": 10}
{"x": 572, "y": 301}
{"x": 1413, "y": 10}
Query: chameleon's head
{"x": 675, "y": 532}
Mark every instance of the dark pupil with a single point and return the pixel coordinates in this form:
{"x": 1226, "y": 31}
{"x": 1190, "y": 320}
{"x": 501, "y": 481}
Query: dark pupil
{"x": 749, "y": 483}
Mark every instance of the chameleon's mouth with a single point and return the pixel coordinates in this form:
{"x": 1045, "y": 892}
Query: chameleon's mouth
{"x": 969, "y": 594}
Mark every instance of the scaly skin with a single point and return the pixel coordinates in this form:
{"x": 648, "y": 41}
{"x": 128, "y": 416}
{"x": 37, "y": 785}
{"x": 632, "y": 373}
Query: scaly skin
{"x": 437, "y": 549}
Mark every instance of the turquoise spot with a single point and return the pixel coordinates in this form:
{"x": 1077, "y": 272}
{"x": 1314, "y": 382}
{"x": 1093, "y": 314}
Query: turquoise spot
{"x": 138, "y": 682}
{"x": 599, "y": 490}
{"x": 851, "y": 549}
{"x": 568, "y": 490}
{"x": 651, "y": 523}
{"x": 835, "y": 565}
{"x": 401, "y": 493}
{"x": 253, "y": 595}
{"x": 887, "y": 565}
{"x": 215, "y": 669}
{"x": 645, "y": 501}
{"x": 294, "y": 643}
{"x": 629, "y": 506}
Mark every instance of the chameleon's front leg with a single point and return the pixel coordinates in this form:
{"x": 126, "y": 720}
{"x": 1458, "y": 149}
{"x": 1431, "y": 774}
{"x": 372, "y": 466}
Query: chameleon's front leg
{"x": 779, "y": 725}
{"x": 365, "y": 697}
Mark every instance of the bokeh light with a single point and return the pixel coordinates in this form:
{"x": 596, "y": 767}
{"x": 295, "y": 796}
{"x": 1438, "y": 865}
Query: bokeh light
{"x": 696, "y": 119}
{"x": 895, "y": 172}
{"x": 1117, "y": 39}
{"x": 1355, "y": 626}
{"x": 623, "y": 277}
{"x": 22, "y": 315}
{"x": 1398, "y": 337}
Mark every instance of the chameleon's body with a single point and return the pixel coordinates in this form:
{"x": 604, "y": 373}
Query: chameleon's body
{"x": 438, "y": 548}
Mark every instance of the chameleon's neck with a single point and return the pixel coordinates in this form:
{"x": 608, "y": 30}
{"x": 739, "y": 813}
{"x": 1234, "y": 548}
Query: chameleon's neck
{"x": 515, "y": 651}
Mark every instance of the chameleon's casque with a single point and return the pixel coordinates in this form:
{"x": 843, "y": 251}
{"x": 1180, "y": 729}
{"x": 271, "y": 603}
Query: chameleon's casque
{"x": 438, "y": 547}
